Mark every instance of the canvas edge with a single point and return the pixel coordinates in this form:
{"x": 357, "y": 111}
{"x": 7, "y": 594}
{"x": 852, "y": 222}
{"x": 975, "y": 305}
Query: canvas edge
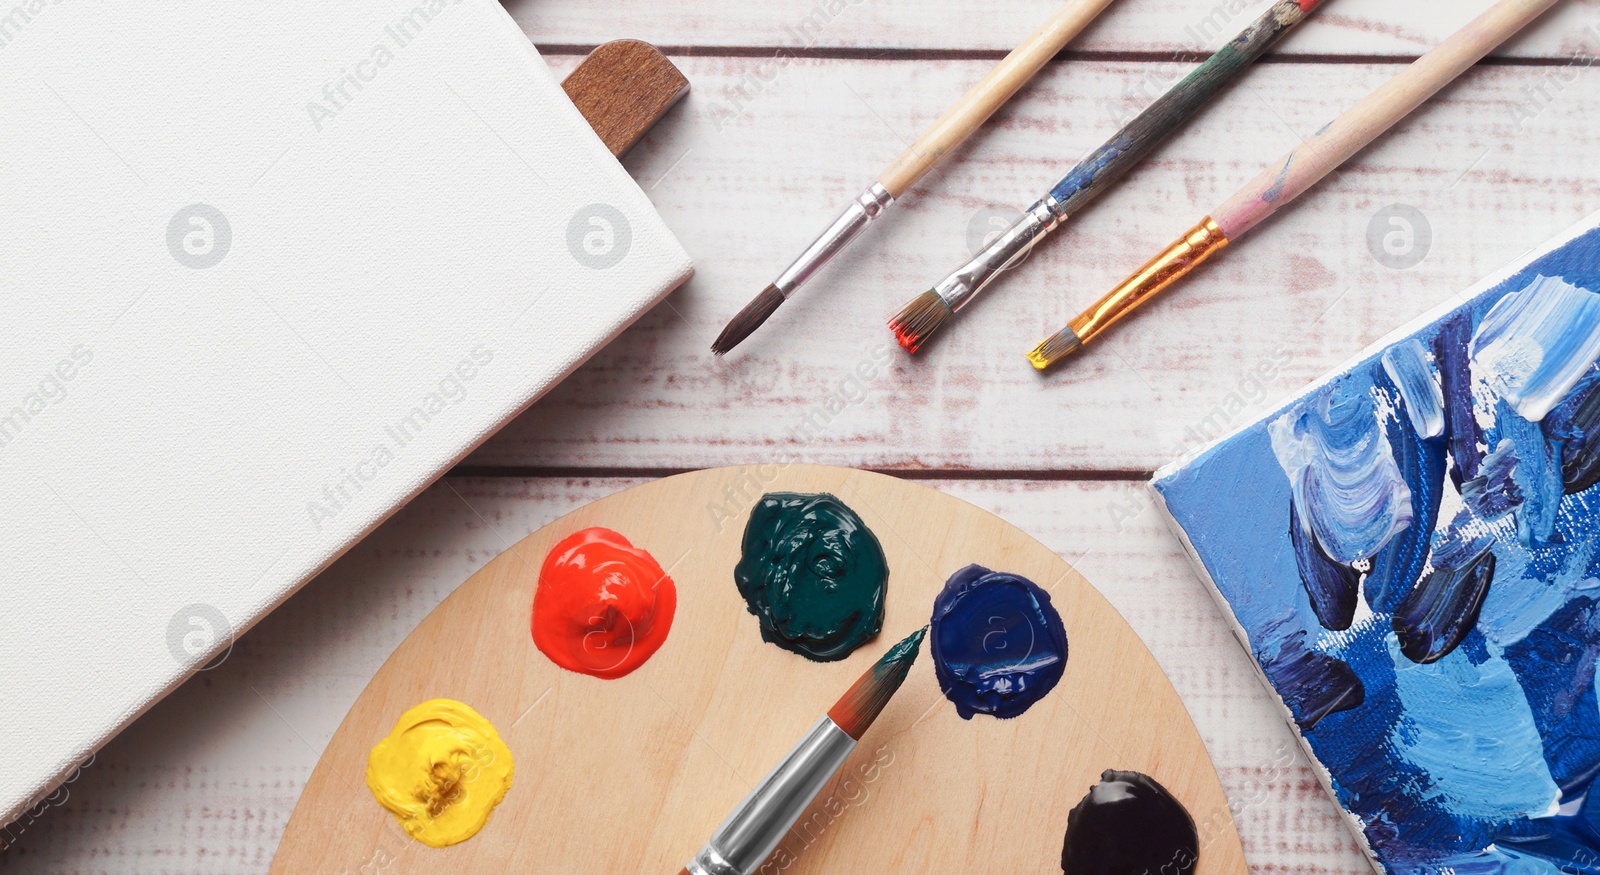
{"x": 1433, "y": 314}
{"x": 683, "y": 269}
{"x": 538, "y": 66}
{"x": 44, "y": 792}
{"x": 1324, "y": 777}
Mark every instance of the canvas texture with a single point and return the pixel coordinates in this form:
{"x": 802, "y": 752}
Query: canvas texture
{"x": 272, "y": 269}
{"x": 1408, "y": 552}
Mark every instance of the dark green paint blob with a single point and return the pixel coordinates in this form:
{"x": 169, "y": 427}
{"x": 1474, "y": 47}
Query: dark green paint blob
{"x": 813, "y": 574}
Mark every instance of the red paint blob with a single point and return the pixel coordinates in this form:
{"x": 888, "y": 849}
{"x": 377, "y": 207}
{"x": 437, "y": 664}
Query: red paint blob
{"x": 602, "y": 606}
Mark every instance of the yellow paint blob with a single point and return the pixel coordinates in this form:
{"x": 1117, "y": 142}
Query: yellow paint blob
{"x": 441, "y": 771}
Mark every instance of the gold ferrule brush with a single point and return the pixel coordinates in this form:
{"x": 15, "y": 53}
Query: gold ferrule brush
{"x": 1173, "y": 264}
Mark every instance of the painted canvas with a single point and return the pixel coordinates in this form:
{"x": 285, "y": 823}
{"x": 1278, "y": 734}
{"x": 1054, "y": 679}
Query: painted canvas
{"x": 1408, "y": 551}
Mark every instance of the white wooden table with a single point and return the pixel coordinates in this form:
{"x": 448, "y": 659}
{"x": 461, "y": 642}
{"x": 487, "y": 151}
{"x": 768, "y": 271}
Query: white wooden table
{"x": 1498, "y": 163}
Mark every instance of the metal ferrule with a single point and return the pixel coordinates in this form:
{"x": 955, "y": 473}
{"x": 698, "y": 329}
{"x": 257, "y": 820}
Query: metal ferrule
{"x": 867, "y": 206}
{"x": 1174, "y": 263}
{"x": 749, "y": 835}
{"x": 959, "y": 288}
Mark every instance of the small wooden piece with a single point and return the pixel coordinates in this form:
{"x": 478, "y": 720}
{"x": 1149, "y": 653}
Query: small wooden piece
{"x": 633, "y": 774}
{"x": 623, "y": 88}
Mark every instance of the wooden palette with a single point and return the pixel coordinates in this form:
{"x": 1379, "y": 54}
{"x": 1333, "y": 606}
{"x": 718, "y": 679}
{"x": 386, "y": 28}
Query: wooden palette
{"x": 632, "y": 775}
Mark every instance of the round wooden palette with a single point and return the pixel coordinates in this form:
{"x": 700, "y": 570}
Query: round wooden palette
{"x": 632, "y": 775}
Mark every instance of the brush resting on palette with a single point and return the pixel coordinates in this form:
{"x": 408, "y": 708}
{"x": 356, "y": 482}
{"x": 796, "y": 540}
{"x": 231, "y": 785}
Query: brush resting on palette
{"x": 758, "y": 824}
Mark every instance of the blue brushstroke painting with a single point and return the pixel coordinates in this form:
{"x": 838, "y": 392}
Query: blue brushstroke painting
{"x": 1410, "y": 549}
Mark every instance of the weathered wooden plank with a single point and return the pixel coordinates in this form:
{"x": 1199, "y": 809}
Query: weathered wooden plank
{"x": 1493, "y": 169}
{"x": 1362, "y": 27}
{"x": 205, "y": 781}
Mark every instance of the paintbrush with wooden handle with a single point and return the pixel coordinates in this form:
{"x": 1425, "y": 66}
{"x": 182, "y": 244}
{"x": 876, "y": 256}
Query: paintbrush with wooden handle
{"x": 1288, "y": 178}
{"x": 756, "y": 826}
{"x": 925, "y": 314}
{"x": 950, "y": 131}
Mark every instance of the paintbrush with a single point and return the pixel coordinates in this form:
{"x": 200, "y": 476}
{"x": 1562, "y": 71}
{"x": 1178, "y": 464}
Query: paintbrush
{"x": 950, "y": 131}
{"x": 748, "y": 835}
{"x": 1296, "y": 172}
{"x": 928, "y": 312}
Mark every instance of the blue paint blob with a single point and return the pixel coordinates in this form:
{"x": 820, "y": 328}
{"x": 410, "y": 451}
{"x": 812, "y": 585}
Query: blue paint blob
{"x": 1494, "y": 493}
{"x": 1421, "y": 462}
{"x": 1331, "y": 586}
{"x": 1312, "y": 684}
{"x": 1348, "y": 488}
{"x": 1455, "y": 380}
{"x": 998, "y": 645}
{"x": 1497, "y": 860}
{"x": 1409, "y": 366}
{"x": 1537, "y": 473}
{"x": 1555, "y": 663}
{"x": 1469, "y": 726}
{"x": 1566, "y": 840}
{"x": 1535, "y": 345}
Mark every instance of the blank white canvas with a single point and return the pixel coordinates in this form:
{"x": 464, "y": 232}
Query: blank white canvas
{"x": 268, "y": 269}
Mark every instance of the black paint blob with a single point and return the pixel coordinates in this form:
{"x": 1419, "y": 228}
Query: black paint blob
{"x": 1129, "y": 825}
{"x": 1580, "y": 439}
{"x": 1435, "y": 617}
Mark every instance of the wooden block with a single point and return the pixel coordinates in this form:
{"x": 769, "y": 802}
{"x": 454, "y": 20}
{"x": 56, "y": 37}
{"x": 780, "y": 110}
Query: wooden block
{"x": 623, "y": 88}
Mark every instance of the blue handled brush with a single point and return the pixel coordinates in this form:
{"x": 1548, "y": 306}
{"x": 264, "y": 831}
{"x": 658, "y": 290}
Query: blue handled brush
{"x": 929, "y": 311}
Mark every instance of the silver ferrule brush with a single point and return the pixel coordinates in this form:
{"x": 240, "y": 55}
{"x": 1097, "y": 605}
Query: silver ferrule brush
{"x": 867, "y": 206}
{"x": 748, "y": 836}
{"x": 957, "y": 289}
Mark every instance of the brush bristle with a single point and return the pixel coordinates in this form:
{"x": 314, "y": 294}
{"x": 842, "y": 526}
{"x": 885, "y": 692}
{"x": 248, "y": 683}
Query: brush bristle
{"x": 748, "y": 320}
{"x": 867, "y": 698}
{"x": 1055, "y": 348}
{"x": 918, "y": 320}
